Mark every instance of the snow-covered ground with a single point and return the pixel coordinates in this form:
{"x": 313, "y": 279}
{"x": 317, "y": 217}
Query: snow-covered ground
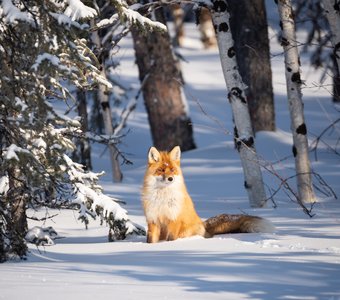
{"x": 301, "y": 260}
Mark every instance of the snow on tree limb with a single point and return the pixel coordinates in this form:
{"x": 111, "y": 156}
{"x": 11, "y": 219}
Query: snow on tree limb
{"x": 131, "y": 16}
{"x": 49, "y": 59}
{"x": 4, "y": 185}
{"x": 13, "y": 14}
{"x": 77, "y": 10}
{"x": 89, "y": 196}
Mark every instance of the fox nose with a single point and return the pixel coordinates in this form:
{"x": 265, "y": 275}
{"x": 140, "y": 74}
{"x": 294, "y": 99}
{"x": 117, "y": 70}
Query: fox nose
{"x": 170, "y": 179}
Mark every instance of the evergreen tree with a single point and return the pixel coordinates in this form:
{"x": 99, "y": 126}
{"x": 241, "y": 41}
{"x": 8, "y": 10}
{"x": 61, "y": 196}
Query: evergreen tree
{"x": 41, "y": 55}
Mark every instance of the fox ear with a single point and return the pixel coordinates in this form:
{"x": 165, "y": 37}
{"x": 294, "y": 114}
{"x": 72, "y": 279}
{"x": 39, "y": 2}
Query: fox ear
{"x": 175, "y": 153}
{"x": 153, "y": 155}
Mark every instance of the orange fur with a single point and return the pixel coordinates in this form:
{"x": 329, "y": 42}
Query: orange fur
{"x": 169, "y": 210}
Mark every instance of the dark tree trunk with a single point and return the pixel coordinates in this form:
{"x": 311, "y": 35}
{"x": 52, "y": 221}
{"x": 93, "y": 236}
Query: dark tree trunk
{"x": 19, "y": 225}
{"x": 336, "y": 81}
{"x": 249, "y": 28}
{"x": 17, "y": 221}
{"x": 161, "y": 84}
{"x": 331, "y": 10}
{"x": 83, "y": 152}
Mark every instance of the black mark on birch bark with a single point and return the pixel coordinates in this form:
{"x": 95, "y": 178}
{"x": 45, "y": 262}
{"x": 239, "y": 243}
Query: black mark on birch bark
{"x": 284, "y": 42}
{"x": 237, "y": 92}
{"x": 296, "y": 77}
{"x": 294, "y": 151}
{"x": 223, "y": 27}
{"x": 105, "y": 105}
{"x": 237, "y": 142}
{"x": 231, "y": 52}
{"x": 220, "y": 6}
{"x": 302, "y": 129}
{"x": 248, "y": 142}
{"x": 246, "y": 185}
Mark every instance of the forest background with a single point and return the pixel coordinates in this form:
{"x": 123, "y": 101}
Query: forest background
{"x": 46, "y": 137}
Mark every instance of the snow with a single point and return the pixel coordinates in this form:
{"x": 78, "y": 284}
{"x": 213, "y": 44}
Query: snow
{"x": 12, "y": 150}
{"x": 41, "y": 236}
{"x": 54, "y": 60}
{"x": 76, "y": 10}
{"x": 132, "y": 17}
{"x": 301, "y": 260}
{"x": 4, "y": 185}
{"x": 12, "y": 14}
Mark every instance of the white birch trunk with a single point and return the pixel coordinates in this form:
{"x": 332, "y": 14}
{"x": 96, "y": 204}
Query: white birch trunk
{"x": 243, "y": 130}
{"x": 107, "y": 118}
{"x": 295, "y": 104}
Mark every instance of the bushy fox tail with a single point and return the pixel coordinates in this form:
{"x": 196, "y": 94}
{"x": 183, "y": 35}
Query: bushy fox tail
{"x": 237, "y": 224}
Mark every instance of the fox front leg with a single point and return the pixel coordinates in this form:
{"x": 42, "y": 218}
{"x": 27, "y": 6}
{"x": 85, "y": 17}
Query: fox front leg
{"x": 154, "y": 232}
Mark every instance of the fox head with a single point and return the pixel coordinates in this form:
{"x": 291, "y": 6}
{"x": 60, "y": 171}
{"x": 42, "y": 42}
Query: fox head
{"x": 164, "y": 167}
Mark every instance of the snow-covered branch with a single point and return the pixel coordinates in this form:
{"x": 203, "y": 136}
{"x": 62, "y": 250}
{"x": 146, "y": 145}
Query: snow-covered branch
{"x": 131, "y": 16}
{"x": 91, "y": 200}
{"x": 77, "y": 10}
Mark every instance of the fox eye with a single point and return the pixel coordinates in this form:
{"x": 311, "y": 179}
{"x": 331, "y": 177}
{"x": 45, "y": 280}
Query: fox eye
{"x": 172, "y": 170}
{"x": 160, "y": 170}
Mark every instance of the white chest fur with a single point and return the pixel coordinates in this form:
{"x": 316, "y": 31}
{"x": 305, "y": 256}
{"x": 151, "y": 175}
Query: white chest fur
{"x": 163, "y": 201}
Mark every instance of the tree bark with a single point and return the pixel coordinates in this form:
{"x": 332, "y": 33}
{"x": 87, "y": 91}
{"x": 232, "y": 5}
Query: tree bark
{"x": 83, "y": 152}
{"x": 103, "y": 97}
{"x": 178, "y": 16}
{"x": 207, "y": 31}
{"x": 336, "y": 80}
{"x": 161, "y": 84}
{"x": 250, "y": 32}
{"x": 107, "y": 117}
{"x": 332, "y": 10}
{"x": 244, "y": 139}
{"x": 295, "y": 104}
{"x": 17, "y": 226}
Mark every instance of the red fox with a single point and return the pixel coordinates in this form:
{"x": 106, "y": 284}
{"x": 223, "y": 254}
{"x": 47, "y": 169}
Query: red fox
{"x": 170, "y": 212}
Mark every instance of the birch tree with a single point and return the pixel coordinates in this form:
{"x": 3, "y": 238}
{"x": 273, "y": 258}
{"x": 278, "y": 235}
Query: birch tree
{"x": 295, "y": 104}
{"x": 249, "y": 28}
{"x": 243, "y": 132}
